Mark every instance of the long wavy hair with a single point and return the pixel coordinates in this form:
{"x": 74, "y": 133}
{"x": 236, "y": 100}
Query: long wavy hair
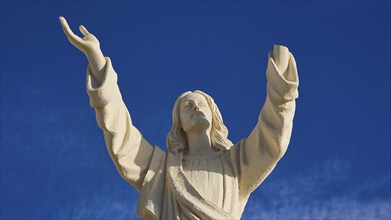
{"x": 177, "y": 140}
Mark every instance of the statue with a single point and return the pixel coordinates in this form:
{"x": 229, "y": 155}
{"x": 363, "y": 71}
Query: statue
{"x": 203, "y": 175}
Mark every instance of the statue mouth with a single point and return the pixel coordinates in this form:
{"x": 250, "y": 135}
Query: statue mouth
{"x": 198, "y": 113}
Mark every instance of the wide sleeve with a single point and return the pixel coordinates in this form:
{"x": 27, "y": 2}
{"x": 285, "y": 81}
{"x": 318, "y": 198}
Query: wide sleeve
{"x": 130, "y": 152}
{"x": 256, "y": 156}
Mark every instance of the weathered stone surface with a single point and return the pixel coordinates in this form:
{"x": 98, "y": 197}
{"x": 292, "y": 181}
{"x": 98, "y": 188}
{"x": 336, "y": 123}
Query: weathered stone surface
{"x": 203, "y": 175}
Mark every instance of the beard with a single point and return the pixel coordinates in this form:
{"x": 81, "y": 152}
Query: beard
{"x": 197, "y": 124}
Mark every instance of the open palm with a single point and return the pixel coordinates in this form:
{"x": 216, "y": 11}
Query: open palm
{"x": 88, "y": 44}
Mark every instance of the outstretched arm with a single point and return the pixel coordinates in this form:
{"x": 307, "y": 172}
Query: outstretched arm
{"x": 130, "y": 152}
{"x": 258, "y": 154}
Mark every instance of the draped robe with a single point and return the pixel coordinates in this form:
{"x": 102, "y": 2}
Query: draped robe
{"x": 180, "y": 187}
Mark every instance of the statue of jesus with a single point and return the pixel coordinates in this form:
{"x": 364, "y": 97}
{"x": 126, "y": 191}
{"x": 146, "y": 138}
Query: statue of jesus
{"x": 203, "y": 175}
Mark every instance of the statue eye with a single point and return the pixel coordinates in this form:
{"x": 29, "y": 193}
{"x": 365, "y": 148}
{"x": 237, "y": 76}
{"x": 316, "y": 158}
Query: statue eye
{"x": 202, "y": 104}
{"x": 187, "y": 106}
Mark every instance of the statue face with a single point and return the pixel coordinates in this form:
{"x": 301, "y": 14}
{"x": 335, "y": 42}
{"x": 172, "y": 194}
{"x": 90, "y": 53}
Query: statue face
{"x": 195, "y": 113}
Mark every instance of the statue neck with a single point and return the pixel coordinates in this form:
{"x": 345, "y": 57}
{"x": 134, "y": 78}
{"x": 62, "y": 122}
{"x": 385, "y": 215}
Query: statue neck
{"x": 199, "y": 143}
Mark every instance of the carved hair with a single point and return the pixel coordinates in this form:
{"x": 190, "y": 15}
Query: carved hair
{"x": 176, "y": 138}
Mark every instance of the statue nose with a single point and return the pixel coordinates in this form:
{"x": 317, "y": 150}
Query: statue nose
{"x": 196, "y": 108}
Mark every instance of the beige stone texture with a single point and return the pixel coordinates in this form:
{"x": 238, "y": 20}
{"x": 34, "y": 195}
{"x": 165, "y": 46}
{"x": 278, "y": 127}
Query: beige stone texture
{"x": 202, "y": 175}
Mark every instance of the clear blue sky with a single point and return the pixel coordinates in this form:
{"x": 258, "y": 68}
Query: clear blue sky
{"x": 54, "y": 163}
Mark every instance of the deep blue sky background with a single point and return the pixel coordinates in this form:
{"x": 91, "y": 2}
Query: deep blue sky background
{"x": 54, "y": 163}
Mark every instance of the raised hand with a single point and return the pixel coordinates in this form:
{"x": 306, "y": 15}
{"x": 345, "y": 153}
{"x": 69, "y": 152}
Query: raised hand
{"x": 281, "y": 57}
{"x": 89, "y": 45}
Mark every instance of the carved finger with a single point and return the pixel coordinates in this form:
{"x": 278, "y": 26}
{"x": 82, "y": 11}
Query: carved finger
{"x": 83, "y": 30}
{"x": 73, "y": 38}
{"x": 65, "y": 27}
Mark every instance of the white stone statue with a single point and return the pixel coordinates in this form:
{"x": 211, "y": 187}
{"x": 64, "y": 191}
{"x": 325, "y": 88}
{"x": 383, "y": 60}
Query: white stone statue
{"x": 203, "y": 175}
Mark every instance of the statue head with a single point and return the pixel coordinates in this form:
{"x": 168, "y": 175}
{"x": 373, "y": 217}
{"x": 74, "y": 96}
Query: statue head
{"x": 192, "y": 112}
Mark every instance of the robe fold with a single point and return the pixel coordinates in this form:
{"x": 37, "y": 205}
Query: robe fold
{"x": 181, "y": 187}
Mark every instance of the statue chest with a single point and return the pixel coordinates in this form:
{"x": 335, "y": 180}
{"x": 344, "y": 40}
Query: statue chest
{"x": 213, "y": 179}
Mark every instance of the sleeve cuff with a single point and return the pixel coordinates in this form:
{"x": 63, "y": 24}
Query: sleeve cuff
{"x": 101, "y": 93}
{"x": 283, "y": 87}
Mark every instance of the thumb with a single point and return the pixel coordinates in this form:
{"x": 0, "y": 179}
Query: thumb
{"x": 83, "y": 30}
